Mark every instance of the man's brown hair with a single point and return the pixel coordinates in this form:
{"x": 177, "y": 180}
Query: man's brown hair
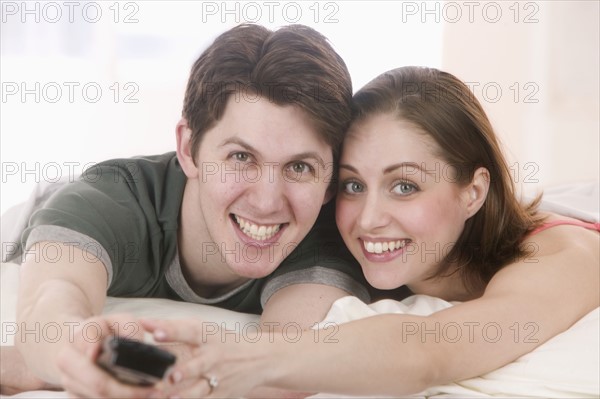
{"x": 294, "y": 65}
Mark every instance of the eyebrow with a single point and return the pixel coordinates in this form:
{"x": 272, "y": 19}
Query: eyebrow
{"x": 302, "y": 155}
{"x": 240, "y": 142}
{"x": 391, "y": 168}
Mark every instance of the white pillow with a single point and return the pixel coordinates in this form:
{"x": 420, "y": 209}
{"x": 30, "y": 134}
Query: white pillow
{"x": 566, "y": 366}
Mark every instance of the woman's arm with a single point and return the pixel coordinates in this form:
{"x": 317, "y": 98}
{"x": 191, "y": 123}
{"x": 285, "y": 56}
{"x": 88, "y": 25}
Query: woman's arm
{"x": 524, "y": 305}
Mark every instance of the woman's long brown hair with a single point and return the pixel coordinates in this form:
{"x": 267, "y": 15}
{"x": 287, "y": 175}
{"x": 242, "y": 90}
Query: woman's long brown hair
{"x": 444, "y": 108}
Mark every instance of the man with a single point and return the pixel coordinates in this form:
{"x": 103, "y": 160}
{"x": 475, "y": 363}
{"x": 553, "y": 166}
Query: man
{"x": 227, "y": 220}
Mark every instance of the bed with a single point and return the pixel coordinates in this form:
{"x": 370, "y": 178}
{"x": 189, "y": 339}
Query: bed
{"x": 567, "y": 366}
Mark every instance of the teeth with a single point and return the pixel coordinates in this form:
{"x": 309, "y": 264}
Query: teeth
{"x": 262, "y": 230}
{"x": 259, "y": 233}
{"x": 380, "y": 247}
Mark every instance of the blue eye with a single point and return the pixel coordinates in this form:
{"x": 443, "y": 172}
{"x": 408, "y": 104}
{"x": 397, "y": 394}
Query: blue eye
{"x": 353, "y": 187}
{"x": 404, "y": 188}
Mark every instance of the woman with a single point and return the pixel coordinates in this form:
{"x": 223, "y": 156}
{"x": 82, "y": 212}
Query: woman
{"x": 425, "y": 201}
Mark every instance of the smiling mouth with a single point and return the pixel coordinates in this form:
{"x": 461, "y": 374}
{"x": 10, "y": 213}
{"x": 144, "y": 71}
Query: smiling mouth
{"x": 255, "y": 231}
{"x": 386, "y": 246}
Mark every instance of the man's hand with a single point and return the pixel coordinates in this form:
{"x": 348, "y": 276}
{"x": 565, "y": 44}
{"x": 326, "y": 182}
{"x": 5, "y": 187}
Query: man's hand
{"x": 81, "y": 376}
{"x": 15, "y": 377}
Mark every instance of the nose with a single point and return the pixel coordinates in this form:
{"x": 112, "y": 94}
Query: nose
{"x": 267, "y": 194}
{"x": 373, "y": 214}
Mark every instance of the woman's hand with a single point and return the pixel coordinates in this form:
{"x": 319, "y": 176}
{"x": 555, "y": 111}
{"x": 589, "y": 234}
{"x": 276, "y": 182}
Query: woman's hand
{"x": 221, "y": 365}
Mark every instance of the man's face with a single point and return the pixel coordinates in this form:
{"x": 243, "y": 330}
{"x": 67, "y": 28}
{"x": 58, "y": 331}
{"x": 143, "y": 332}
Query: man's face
{"x": 263, "y": 173}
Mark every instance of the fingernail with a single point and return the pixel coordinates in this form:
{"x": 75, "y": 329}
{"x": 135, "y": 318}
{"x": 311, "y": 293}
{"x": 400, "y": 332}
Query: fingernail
{"x": 160, "y": 334}
{"x": 175, "y": 377}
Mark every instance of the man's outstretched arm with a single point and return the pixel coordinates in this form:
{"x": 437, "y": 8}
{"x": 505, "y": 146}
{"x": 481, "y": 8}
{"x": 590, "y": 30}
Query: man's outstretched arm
{"x": 60, "y": 287}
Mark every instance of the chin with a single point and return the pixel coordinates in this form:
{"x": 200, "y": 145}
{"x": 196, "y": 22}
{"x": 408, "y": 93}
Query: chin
{"x": 253, "y": 270}
{"x": 252, "y": 273}
{"x": 382, "y": 281}
{"x": 384, "y": 285}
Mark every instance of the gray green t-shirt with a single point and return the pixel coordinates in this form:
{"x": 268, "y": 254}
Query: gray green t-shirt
{"x": 125, "y": 212}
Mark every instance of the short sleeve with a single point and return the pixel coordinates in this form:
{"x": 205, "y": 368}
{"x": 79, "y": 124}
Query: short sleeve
{"x": 321, "y": 258}
{"x": 112, "y": 213}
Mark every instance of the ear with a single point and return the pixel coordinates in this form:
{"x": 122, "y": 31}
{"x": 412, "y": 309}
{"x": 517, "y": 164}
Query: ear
{"x": 476, "y": 191}
{"x": 184, "y": 149}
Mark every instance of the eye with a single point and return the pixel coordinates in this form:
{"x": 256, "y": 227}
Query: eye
{"x": 301, "y": 167}
{"x": 299, "y": 171}
{"x": 241, "y": 156}
{"x": 353, "y": 187}
{"x": 404, "y": 188}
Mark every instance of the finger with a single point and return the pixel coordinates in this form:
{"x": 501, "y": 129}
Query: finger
{"x": 188, "y": 331}
{"x": 75, "y": 386}
{"x": 89, "y": 335}
{"x": 125, "y": 325}
{"x": 190, "y": 369}
{"x": 198, "y": 389}
{"x": 191, "y": 377}
{"x": 122, "y": 324}
{"x": 82, "y": 377}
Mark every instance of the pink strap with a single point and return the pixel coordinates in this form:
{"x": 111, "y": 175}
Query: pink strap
{"x": 547, "y": 225}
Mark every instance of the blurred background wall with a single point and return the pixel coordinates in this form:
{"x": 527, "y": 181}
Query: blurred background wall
{"x": 86, "y": 81}
{"x": 541, "y": 68}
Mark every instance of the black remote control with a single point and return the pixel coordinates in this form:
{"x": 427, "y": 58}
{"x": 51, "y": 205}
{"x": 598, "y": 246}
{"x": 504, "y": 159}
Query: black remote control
{"x": 134, "y": 362}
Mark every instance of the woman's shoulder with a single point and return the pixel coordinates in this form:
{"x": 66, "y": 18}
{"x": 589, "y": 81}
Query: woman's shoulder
{"x": 560, "y": 233}
{"x": 565, "y": 245}
{"x": 562, "y": 259}
{"x": 553, "y": 220}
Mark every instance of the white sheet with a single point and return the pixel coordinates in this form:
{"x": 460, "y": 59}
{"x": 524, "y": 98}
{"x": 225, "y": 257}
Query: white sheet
{"x": 567, "y": 366}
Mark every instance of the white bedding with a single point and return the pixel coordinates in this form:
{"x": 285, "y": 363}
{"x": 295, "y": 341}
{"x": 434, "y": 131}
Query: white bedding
{"x": 567, "y": 366}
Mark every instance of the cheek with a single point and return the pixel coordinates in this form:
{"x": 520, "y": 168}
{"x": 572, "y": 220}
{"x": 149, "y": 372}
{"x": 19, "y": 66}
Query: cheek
{"x": 345, "y": 215}
{"x": 306, "y": 200}
{"x": 426, "y": 219}
{"x": 221, "y": 190}
{"x": 421, "y": 221}
{"x": 444, "y": 218}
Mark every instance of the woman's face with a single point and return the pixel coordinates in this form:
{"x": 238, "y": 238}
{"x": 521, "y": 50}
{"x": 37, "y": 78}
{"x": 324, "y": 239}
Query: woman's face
{"x": 398, "y": 209}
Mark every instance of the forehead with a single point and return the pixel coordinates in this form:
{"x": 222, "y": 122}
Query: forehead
{"x": 389, "y": 136}
{"x": 262, "y": 123}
